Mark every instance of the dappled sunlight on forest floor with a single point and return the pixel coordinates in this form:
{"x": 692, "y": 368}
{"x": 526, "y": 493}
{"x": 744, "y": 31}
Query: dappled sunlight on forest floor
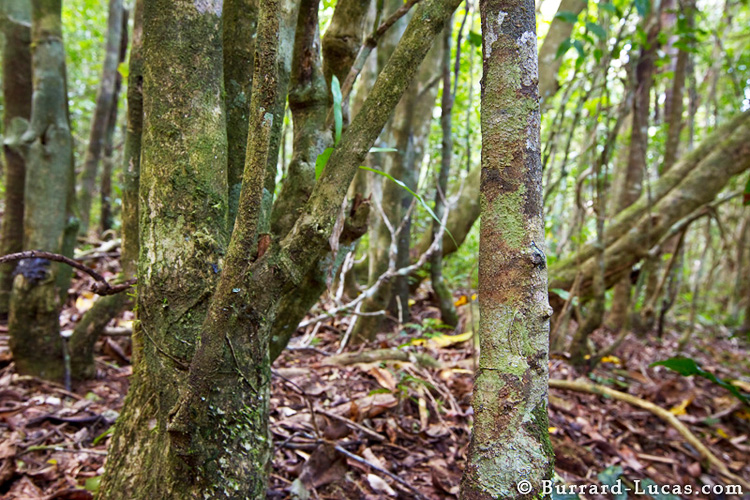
{"x": 377, "y": 417}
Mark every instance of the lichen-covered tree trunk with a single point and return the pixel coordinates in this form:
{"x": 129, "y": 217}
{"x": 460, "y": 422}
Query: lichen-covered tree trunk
{"x": 93, "y": 322}
{"x": 16, "y": 29}
{"x": 183, "y": 196}
{"x": 510, "y": 441}
{"x": 104, "y": 99}
{"x": 37, "y": 288}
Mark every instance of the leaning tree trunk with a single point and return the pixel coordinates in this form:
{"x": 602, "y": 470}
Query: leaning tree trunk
{"x": 695, "y": 180}
{"x": 93, "y": 322}
{"x": 183, "y": 193}
{"x": 17, "y": 102}
{"x": 38, "y": 288}
{"x": 509, "y": 440}
{"x": 104, "y": 98}
{"x": 212, "y": 441}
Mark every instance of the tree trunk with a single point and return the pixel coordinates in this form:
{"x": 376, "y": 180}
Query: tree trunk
{"x": 442, "y": 293}
{"x": 509, "y": 440}
{"x": 38, "y": 286}
{"x": 93, "y": 322}
{"x": 17, "y": 87}
{"x": 240, "y": 18}
{"x": 104, "y": 99}
{"x": 204, "y": 432}
{"x": 183, "y": 191}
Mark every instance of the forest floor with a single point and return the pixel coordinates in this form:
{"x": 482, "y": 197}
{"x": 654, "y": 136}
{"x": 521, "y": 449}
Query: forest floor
{"x": 393, "y": 418}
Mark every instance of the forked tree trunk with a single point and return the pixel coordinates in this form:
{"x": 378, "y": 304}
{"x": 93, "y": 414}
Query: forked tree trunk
{"x": 196, "y": 425}
{"x": 510, "y": 441}
{"x": 39, "y": 285}
{"x": 16, "y": 28}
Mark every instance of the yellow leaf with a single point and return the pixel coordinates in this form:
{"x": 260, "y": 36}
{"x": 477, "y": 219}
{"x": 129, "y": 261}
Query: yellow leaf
{"x": 721, "y": 433}
{"x": 473, "y": 296}
{"x": 681, "y": 409}
{"x": 611, "y": 359}
{"x": 745, "y": 386}
{"x": 448, "y": 340}
{"x": 52, "y": 461}
{"x": 743, "y": 414}
{"x": 85, "y": 301}
{"x": 462, "y": 300}
{"x": 411, "y": 302}
{"x": 552, "y": 430}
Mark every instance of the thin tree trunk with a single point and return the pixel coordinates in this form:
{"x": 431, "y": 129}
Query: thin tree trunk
{"x": 104, "y": 98}
{"x": 442, "y": 293}
{"x": 509, "y": 440}
{"x": 105, "y": 191}
{"x": 17, "y": 87}
{"x": 93, "y": 322}
{"x": 240, "y": 18}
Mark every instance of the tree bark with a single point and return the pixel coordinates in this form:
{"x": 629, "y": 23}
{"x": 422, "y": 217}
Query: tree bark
{"x": 183, "y": 196}
{"x": 240, "y": 18}
{"x": 104, "y": 98}
{"x": 39, "y": 285}
{"x": 17, "y": 85}
{"x": 509, "y": 440}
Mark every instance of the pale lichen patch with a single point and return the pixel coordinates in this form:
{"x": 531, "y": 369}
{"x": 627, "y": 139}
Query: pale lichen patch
{"x": 212, "y": 6}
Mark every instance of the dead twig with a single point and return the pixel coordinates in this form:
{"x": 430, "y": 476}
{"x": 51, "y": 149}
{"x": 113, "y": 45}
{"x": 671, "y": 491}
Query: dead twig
{"x": 101, "y": 285}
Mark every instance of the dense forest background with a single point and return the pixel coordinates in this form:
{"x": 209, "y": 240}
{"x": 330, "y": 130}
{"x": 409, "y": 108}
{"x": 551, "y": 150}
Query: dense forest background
{"x": 367, "y": 344}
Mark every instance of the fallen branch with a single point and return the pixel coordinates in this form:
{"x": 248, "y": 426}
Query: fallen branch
{"x": 101, "y": 285}
{"x": 659, "y": 412}
{"x": 377, "y": 468}
{"x": 383, "y": 355}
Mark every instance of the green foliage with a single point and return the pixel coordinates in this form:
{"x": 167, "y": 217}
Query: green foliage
{"x": 338, "y": 120}
{"x": 688, "y": 366}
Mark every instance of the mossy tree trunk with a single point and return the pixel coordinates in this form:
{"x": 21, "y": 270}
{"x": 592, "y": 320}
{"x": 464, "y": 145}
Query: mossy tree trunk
{"x": 195, "y": 423}
{"x": 17, "y": 85}
{"x": 183, "y": 220}
{"x": 39, "y": 285}
{"x": 510, "y": 441}
{"x": 104, "y": 99}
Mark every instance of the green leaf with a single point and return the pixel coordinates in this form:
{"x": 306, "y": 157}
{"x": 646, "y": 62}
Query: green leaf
{"x": 643, "y": 7}
{"x": 579, "y": 47}
{"x": 563, "y": 48}
{"x": 383, "y": 150}
{"x": 687, "y": 367}
{"x": 475, "y": 39}
{"x": 419, "y": 198}
{"x": 320, "y": 162}
{"x": 596, "y": 29}
{"x": 563, "y": 294}
{"x": 92, "y": 483}
{"x": 609, "y": 7}
{"x": 567, "y": 16}
{"x": 122, "y": 68}
{"x": 103, "y": 435}
{"x": 338, "y": 119}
